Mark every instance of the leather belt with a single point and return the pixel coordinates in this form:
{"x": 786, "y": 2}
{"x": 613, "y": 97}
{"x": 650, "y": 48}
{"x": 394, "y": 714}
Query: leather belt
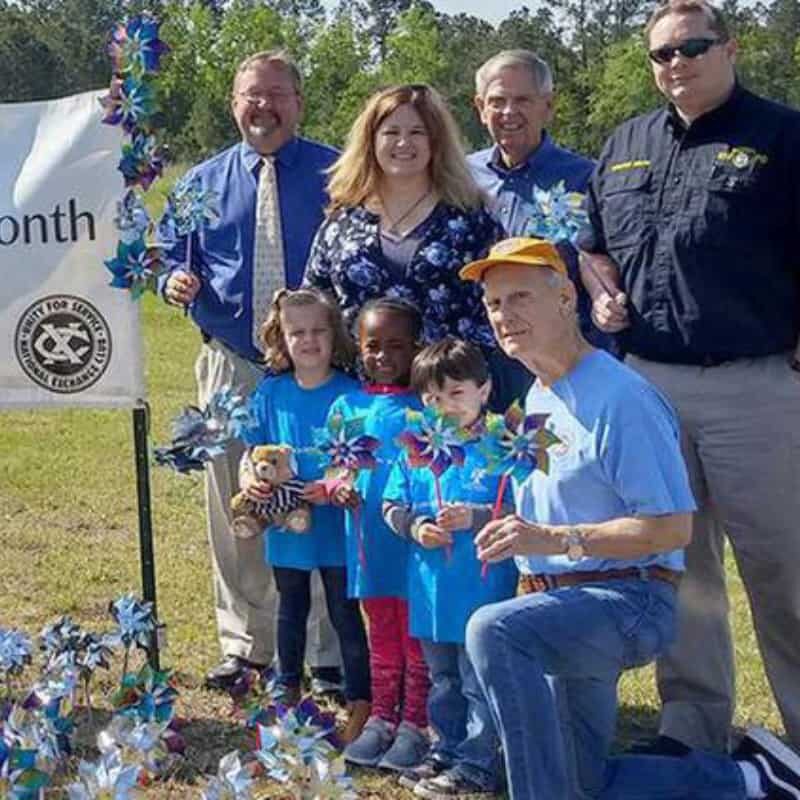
{"x": 529, "y": 584}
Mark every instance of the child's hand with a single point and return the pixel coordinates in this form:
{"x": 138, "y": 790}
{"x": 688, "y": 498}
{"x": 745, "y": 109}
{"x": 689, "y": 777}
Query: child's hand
{"x": 454, "y": 517}
{"x": 256, "y": 489}
{"x": 315, "y": 492}
{"x": 430, "y": 536}
{"x": 345, "y": 496}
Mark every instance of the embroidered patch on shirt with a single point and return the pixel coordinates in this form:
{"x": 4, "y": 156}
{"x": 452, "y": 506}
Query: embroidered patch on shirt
{"x": 621, "y": 166}
{"x": 742, "y": 157}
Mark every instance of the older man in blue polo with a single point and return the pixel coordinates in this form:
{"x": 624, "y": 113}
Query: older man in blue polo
{"x": 598, "y": 538}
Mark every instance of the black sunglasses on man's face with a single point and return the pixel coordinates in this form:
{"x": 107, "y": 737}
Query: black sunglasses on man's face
{"x": 689, "y": 48}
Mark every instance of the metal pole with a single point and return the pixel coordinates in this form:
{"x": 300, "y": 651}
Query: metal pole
{"x": 146, "y": 556}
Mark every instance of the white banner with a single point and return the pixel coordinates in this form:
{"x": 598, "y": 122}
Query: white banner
{"x": 66, "y": 337}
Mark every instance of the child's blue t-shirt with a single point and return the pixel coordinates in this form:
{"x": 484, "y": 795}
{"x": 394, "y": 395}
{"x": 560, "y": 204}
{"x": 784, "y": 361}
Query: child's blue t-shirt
{"x": 385, "y": 553}
{"x": 443, "y": 591}
{"x": 285, "y": 413}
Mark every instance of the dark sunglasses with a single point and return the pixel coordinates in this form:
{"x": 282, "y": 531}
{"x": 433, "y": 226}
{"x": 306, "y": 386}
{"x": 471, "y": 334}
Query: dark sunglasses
{"x": 688, "y": 48}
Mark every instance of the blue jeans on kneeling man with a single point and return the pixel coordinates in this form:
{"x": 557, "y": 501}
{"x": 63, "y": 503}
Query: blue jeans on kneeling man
{"x": 549, "y": 664}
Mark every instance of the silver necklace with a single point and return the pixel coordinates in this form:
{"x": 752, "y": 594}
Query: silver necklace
{"x": 395, "y": 223}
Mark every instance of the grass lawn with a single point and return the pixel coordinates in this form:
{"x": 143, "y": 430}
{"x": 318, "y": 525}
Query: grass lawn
{"x": 68, "y": 538}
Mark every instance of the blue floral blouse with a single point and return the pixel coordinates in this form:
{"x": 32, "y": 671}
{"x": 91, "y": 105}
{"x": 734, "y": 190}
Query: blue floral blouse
{"x": 346, "y": 259}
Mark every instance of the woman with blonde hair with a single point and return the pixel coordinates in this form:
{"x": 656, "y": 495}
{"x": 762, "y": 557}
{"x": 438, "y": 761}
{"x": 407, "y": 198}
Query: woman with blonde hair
{"x": 404, "y": 216}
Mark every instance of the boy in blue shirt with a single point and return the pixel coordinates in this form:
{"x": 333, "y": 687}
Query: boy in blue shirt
{"x": 445, "y": 584}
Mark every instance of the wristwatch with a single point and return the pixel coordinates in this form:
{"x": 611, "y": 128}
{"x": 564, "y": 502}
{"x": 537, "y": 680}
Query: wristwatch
{"x": 576, "y": 548}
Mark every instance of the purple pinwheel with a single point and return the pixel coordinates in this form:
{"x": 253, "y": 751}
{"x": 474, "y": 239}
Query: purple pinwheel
{"x": 200, "y": 435}
{"x": 142, "y": 160}
{"x": 136, "y": 267}
{"x": 345, "y": 446}
{"x": 433, "y": 441}
{"x": 130, "y": 103}
{"x": 135, "y": 48}
{"x": 557, "y": 215}
{"x": 346, "y": 449}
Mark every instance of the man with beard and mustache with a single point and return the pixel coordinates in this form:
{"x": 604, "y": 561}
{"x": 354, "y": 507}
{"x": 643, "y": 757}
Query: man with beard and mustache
{"x": 269, "y": 190}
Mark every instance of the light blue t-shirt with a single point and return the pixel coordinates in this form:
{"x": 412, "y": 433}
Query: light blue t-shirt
{"x": 285, "y": 413}
{"x": 385, "y": 553}
{"x": 619, "y": 456}
{"x": 444, "y": 591}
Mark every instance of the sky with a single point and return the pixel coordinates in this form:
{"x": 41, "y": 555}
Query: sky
{"x": 492, "y": 10}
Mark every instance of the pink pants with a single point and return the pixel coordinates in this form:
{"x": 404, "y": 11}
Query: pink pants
{"x": 400, "y": 680}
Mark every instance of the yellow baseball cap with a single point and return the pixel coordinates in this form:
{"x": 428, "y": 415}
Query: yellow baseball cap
{"x": 519, "y": 250}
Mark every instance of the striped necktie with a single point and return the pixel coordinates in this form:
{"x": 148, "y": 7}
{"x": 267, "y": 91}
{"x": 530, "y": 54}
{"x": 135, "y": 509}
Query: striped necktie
{"x": 268, "y": 266}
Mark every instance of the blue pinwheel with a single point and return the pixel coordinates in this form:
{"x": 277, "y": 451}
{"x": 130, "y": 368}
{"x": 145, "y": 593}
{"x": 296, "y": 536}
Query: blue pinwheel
{"x": 232, "y": 782}
{"x": 132, "y": 220}
{"x": 135, "y": 48}
{"x": 556, "y": 215}
{"x": 198, "y": 435}
{"x": 515, "y": 445}
{"x": 136, "y": 267}
{"x": 136, "y": 624}
{"x": 106, "y": 777}
{"x": 15, "y": 652}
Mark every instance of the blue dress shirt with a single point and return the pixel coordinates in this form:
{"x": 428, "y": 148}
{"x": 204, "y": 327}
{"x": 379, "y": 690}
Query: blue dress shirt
{"x": 509, "y": 199}
{"x": 222, "y": 252}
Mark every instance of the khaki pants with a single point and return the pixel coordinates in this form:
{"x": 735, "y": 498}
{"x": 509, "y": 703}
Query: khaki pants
{"x": 741, "y": 440}
{"x": 244, "y": 590}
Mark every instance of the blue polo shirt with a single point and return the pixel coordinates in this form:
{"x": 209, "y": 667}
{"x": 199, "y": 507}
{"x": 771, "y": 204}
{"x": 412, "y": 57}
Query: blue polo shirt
{"x": 703, "y": 221}
{"x": 222, "y": 253}
{"x": 618, "y": 456}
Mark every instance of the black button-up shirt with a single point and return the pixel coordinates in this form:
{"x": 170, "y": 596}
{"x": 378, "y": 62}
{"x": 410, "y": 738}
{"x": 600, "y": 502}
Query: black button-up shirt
{"x": 704, "y": 225}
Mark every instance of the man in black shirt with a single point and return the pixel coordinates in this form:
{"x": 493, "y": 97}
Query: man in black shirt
{"x": 692, "y": 251}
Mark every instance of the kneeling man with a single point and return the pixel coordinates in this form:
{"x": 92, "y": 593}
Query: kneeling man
{"x": 598, "y": 538}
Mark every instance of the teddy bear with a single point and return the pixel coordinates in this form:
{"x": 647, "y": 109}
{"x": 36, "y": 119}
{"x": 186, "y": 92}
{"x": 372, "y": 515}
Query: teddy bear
{"x": 285, "y": 507}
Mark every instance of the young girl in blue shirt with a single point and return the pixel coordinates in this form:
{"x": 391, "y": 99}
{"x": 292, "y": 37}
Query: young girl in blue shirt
{"x": 394, "y": 737}
{"x": 305, "y": 346}
{"x": 446, "y": 583}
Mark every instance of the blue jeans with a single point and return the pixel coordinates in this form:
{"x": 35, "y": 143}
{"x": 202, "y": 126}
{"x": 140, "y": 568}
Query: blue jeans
{"x": 294, "y": 605}
{"x": 458, "y": 713}
{"x": 549, "y": 664}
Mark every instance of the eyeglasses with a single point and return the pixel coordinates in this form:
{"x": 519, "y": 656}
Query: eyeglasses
{"x": 688, "y": 48}
{"x": 260, "y": 98}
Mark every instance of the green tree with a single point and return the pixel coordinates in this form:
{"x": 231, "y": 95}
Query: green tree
{"x": 336, "y": 62}
{"x": 624, "y": 89}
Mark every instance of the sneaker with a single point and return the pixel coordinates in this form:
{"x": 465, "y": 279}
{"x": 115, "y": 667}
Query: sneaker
{"x": 449, "y": 785}
{"x": 410, "y": 746}
{"x": 369, "y": 748}
{"x": 778, "y": 766}
{"x": 430, "y": 767}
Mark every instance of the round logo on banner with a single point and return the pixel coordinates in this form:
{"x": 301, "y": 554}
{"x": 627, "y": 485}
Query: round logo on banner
{"x": 63, "y": 343}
